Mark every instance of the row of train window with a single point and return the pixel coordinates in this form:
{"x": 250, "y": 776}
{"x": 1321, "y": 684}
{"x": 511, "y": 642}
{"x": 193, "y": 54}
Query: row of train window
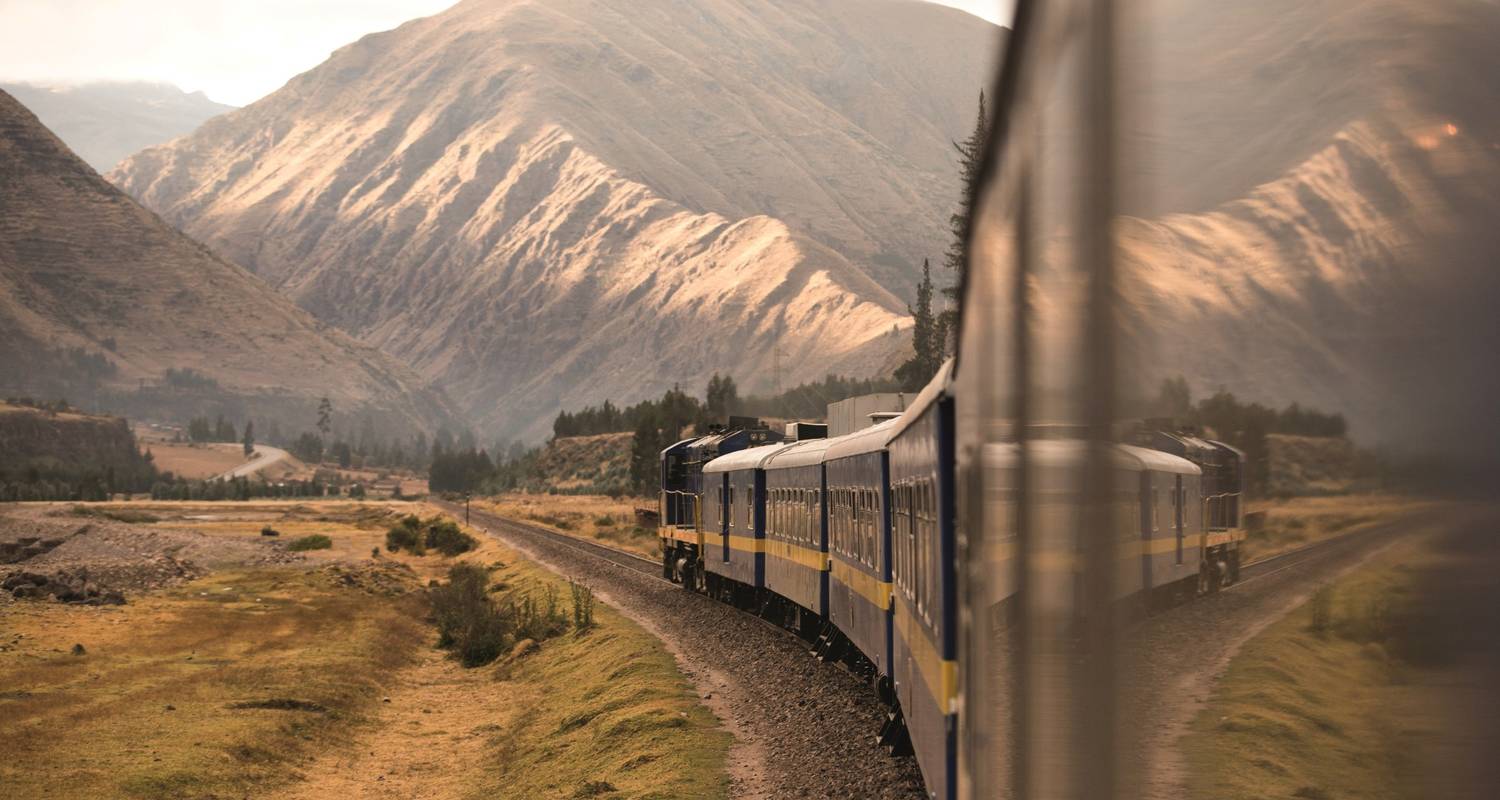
{"x": 854, "y": 524}
{"x": 915, "y": 545}
{"x": 792, "y": 515}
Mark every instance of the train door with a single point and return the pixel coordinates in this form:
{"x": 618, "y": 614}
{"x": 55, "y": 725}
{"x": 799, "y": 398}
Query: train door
{"x": 1177, "y": 515}
{"x": 726, "y": 510}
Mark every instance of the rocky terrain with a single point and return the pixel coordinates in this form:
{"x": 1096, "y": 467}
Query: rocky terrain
{"x": 48, "y": 553}
{"x": 107, "y": 121}
{"x": 546, "y": 204}
{"x": 89, "y": 278}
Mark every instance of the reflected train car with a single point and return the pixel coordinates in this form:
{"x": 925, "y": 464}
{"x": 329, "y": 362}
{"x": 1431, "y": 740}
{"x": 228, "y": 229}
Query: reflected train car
{"x": 857, "y": 467}
{"x": 924, "y": 647}
{"x": 796, "y": 534}
{"x": 734, "y": 524}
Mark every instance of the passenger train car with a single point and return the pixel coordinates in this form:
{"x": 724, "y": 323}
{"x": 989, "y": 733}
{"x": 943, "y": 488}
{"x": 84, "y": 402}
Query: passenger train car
{"x": 851, "y": 542}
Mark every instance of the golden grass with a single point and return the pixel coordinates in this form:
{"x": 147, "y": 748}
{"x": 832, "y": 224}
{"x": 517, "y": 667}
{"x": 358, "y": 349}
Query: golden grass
{"x": 603, "y": 711}
{"x": 1307, "y": 709}
{"x": 196, "y": 461}
{"x": 145, "y": 711}
{"x": 603, "y": 519}
{"x": 1292, "y": 523}
{"x": 602, "y": 708}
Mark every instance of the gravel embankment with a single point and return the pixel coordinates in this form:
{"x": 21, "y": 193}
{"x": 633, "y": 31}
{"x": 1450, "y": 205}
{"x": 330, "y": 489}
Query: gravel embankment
{"x": 803, "y": 728}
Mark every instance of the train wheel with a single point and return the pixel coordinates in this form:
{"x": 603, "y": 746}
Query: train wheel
{"x": 689, "y": 575}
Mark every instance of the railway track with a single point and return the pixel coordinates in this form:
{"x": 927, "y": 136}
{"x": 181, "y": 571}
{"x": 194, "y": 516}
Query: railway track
{"x": 1261, "y": 568}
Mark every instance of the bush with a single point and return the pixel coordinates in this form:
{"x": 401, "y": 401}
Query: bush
{"x": 467, "y": 621}
{"x": 269, "y": 531}
{"x": 604, "y": 521}
{"x": 445, "y": 537}
{"x": 539, "y": 620}
{"x": 583, "y": 606}
{"x": 417, "y": 536}
{"x": 407, "y": 535}
{"x": 316, "y": 541}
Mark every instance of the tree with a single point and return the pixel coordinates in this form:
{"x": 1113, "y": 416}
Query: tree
{"x": 199, "y": 430}
{"x": 645, "y": 453}
{"x": 970, "y": 158}
{"x": 308, "y": 447}
{"x": 224, "y": 430}
{"x": 722, "y": 397}
{"x": 927, "y": 339}
{"x": 325, "y": 417}
{"x": 249, "y": 439}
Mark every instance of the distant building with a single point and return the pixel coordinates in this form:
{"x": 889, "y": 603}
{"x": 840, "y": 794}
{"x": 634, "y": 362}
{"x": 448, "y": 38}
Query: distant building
{"x": 848, "y": 416}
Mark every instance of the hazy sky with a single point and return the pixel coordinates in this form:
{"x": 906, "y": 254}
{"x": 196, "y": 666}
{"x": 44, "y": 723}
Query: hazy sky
{"x": 236, "y": 51}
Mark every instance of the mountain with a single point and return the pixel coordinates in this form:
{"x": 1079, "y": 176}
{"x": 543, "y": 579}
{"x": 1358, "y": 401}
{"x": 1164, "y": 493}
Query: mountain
{"x": 1311, "y": 198}
{"x": 101, "y": 298}
{"x": 541, "y": 205}
{"x": 106, "y": 121}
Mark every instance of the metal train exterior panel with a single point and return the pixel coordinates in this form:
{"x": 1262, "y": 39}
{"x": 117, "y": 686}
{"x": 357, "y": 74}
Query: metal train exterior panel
{"x": 796, "y": 541}
{"x": 924, "y": 645}
{"x": 857, "y": 471}
{"x": 739, "y": 552}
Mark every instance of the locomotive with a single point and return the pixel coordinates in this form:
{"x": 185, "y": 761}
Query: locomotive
{"x": 851, "y": 541}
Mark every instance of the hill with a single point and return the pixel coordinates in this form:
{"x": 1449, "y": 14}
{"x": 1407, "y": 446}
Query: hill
{"x": 52, "y": 454}
{"x": 544, "y": 204}
{"x": 103, "y": 301}
{"x": 105, "y": 122}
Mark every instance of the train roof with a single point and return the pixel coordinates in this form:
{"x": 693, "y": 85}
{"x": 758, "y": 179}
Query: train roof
{"x": 865, "y": 440}
{"x": 680, "y": 445}
{"x": 930, "y": 393}
{"x": 805, "y": 453}
{"x": 749, "y": 458}
{"x": 1062, "y": 452}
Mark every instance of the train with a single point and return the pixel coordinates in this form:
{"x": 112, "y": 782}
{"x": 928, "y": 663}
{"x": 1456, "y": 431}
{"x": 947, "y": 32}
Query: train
{"x": 850, "y": 541}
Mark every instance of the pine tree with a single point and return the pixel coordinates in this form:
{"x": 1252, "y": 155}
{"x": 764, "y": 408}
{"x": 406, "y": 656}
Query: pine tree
{"x": 249, "y": 439}
{"x": 927, "y": 338}
{"x": 970, "y": 157}
{"x": 325, "y": 417}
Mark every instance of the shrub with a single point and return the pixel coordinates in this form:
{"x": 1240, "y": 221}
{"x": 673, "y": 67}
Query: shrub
{"x": 539, "y": 620}
{"x": 416, "y": 536}
{"x": 468, "y": 622}
{"x": 407, "y": 535}
{"x": 316, "y": 541}
{"x": 604, "y": 521}
{"x": 1321, "y": 611}
{"x": 583, "y": 606}
{"x": 445, "y": 537}
{"x": 269, "y": 531}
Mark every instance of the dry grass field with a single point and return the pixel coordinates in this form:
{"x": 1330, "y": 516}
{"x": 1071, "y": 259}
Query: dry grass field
{"x": 318, "y": 678}
{"x": 1286, "y": 524}
{"x": 1344, "y": 697}
{"x": 604, "y": 519}
{"x": 196, "y": 460}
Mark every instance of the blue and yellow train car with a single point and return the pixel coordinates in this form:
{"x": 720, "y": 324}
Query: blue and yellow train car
{"x": 857, "y": 470}
{"x": 734, "y": 522}
{"x": 796, "y": 543}
{"x": 924, "y": 644}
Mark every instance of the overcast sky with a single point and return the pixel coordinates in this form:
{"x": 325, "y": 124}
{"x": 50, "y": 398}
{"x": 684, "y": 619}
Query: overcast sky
{"x": 234, "y": 51}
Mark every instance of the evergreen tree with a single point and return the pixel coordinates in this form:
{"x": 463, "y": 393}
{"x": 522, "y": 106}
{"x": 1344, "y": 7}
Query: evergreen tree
{"x": 645, "y": 454}
{"x": 199, "y": 430}
{"x": 722, "y": 397}
{"x": 249, "y": 438}
{"x": 224, "y": 430}
{"x": 970, "y": 156}
{"x": 325, "y": 417}
{"x": 927, "y": 339}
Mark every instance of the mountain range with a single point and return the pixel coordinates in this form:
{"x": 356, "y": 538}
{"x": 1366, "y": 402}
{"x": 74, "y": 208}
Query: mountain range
{"x": 105, "y": 121}
{"x": 97, "y": 294}
{"x": 541, "y": 205}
